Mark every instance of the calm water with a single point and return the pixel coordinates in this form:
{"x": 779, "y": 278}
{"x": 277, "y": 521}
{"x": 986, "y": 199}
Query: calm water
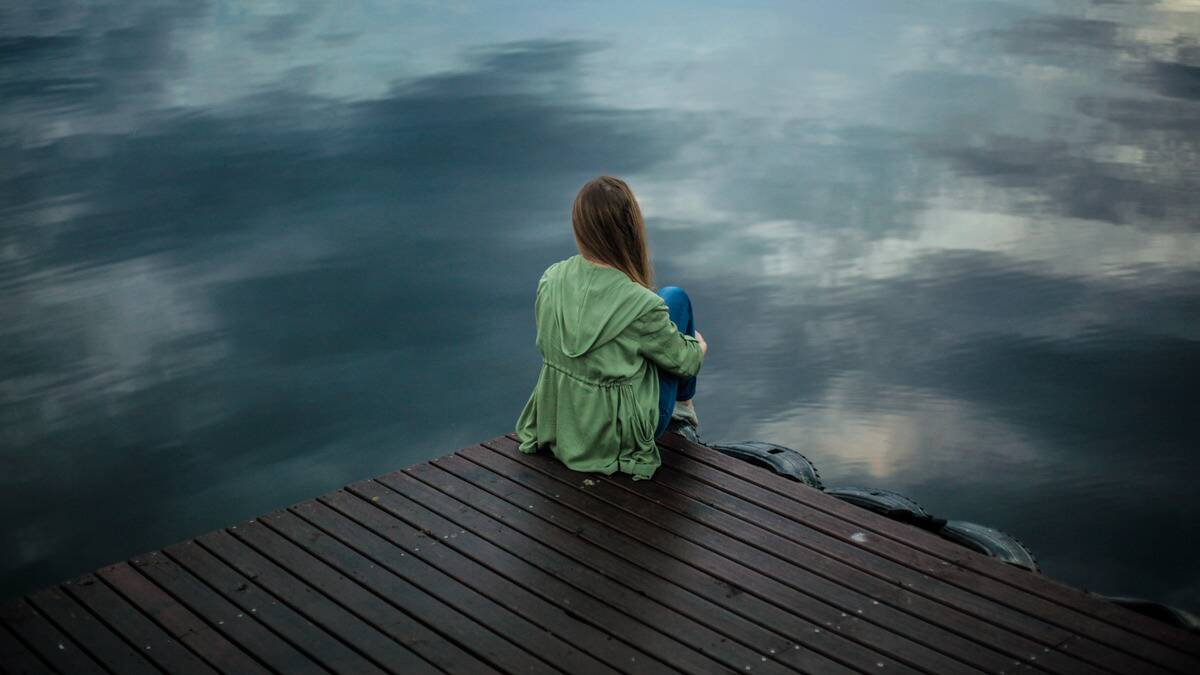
{"x": 250, "y": 252}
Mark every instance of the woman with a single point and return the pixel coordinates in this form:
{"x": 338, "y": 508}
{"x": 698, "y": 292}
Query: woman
{"x": 619, "y": 360}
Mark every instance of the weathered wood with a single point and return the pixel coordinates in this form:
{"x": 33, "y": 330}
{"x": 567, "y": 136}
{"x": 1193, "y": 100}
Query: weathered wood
{"x": 177, "y": 621}
{"x": 46, "y": 640}
{"x": 489, "y": 560}
{"x": 316, "y": 606}
{"x": 401, "y": 627}
{"x": 1074, "y": 606}
{"x": 948, "y": 562}
{"x": 141, "y": 632}
{"x": 456, "y": 591}
{"x": 616, "y": 589}
{"x": 987, "y": 620}
{"x": 249, "y": 597}
{"x": 106, "y": 646}
{"x": 17, "y": 659}
{"x": 482, "y": 578}
{"x": 490, "y": 543}
{"x": 752, "y": 571}
{"x": 609, "y": 551}
{"x": 460, "y": 631}
{"x": 239, "y": 627}
{"x": 745, "y": 640}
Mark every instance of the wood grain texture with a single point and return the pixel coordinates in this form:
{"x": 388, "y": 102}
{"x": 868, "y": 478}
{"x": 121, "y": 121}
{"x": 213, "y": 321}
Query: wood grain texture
{"x": 489, "y": 560}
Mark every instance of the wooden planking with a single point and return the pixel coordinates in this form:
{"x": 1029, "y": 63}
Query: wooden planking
{"x": 462, "y": 630}
{"x": 621, "y": 591}
{"x": 141, "y": 632}
{"x": 721, "y": 595}
{"x": 473, "y": 567}
{"x": 767, "y": 644}
{"x": 534, "y": 638}
{"x": 786, "y": 534}
{"x": 289, "y": 624}
{"x": 17, "y": 659}
{"x": 889, "y": 586}
{"x": 475, "y": 574}
{"x": 363, "y": 602}
{"x": 1016, "y": 583}
{"x": 178, "y": 622}
{"x": 839, "y": 602}
{"x": 490, "y": 561}
{"x": 691, "y": 545}
{"x": 315, "y": 605}
{"x": 239, "y": 627}
{"x": 765, "y": 631}
{"x": 106, "y": 646}
{"x": 46, "y": 640}
{"x": 538, "y": 569}
{"x": 949, "y": 562}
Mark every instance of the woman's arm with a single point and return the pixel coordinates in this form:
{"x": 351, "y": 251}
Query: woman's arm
{"x": 661, "y": 342}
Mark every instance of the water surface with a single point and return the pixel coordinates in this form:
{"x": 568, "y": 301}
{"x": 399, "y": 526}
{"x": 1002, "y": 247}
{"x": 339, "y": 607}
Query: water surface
{"x": 250, "y": 252}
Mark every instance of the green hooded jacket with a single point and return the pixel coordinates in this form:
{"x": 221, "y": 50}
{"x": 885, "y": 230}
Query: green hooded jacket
{"x": 595, "y": 405}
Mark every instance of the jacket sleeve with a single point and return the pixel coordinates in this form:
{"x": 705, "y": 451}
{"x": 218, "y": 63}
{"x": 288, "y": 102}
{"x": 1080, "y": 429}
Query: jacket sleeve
{"x": 660, "y": 341}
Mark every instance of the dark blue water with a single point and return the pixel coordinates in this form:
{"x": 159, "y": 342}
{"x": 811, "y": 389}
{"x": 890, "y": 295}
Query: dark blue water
{"x": 250, "y": 252}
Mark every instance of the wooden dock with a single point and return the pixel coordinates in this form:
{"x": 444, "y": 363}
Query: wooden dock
{"x": 491, "y": 561}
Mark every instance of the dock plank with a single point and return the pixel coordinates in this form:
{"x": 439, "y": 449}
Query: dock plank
{"x": 106, "y": 646}
{"x": 362, "y": 601}
{"x": 620, "y": 555}
{"x": 17, "y": 659}
{"x": 372, "y": 643}
{"x": 478, "y": 542}
{"x": 993, "y": 623}
{"x": 46, "y": 640}
{"x": 178, "y": 621}
{"x": 618, "y": 590}
{"x": 885, "y": 586}
{"x": 954, "y": 564}
{"x": 703, "y": 546}
{"x": 489, "y": 560}
{"x": 461, "y": 630}
{"x": 1016, "y": 583}
{"x": 747, "y": 644}
{"x": 593, "y": 638}
{"x": 148, "y": 638}
{"x": 291, "y": 626}
{"x": 239, "y": 627}
{"x": 534, "y": 638}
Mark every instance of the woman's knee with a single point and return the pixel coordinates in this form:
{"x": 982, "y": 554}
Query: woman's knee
{"x": 674, "y": 296}
{"x": 679, "y": 307}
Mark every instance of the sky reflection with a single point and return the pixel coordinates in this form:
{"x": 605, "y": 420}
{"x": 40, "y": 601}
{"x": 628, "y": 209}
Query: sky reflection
{"x": 944, "y": 248}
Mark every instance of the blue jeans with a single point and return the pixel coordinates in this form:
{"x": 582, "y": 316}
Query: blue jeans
{"x": 670, "y": 387}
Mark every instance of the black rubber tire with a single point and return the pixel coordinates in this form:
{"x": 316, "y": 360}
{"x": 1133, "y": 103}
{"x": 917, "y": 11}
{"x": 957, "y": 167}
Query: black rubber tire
{"x": 887, "y": 503}
{"x": 990, "y": 542}
{"x": 779, "y": 459}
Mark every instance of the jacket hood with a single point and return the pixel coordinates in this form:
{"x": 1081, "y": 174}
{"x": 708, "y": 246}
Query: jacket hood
{"x": 590, "y": 304}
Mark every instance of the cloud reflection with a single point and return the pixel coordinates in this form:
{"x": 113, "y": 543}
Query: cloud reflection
{"x": 192, "y": 305}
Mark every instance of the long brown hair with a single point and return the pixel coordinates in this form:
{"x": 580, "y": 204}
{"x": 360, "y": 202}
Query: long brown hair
{"x": 609, "y": 228}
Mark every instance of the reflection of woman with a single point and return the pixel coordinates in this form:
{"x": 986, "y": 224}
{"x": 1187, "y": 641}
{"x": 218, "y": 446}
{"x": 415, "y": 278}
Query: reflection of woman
{"x": 619, "y": 360}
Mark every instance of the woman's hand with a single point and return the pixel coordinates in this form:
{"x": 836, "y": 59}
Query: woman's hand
{"x": 703, "y": 344}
